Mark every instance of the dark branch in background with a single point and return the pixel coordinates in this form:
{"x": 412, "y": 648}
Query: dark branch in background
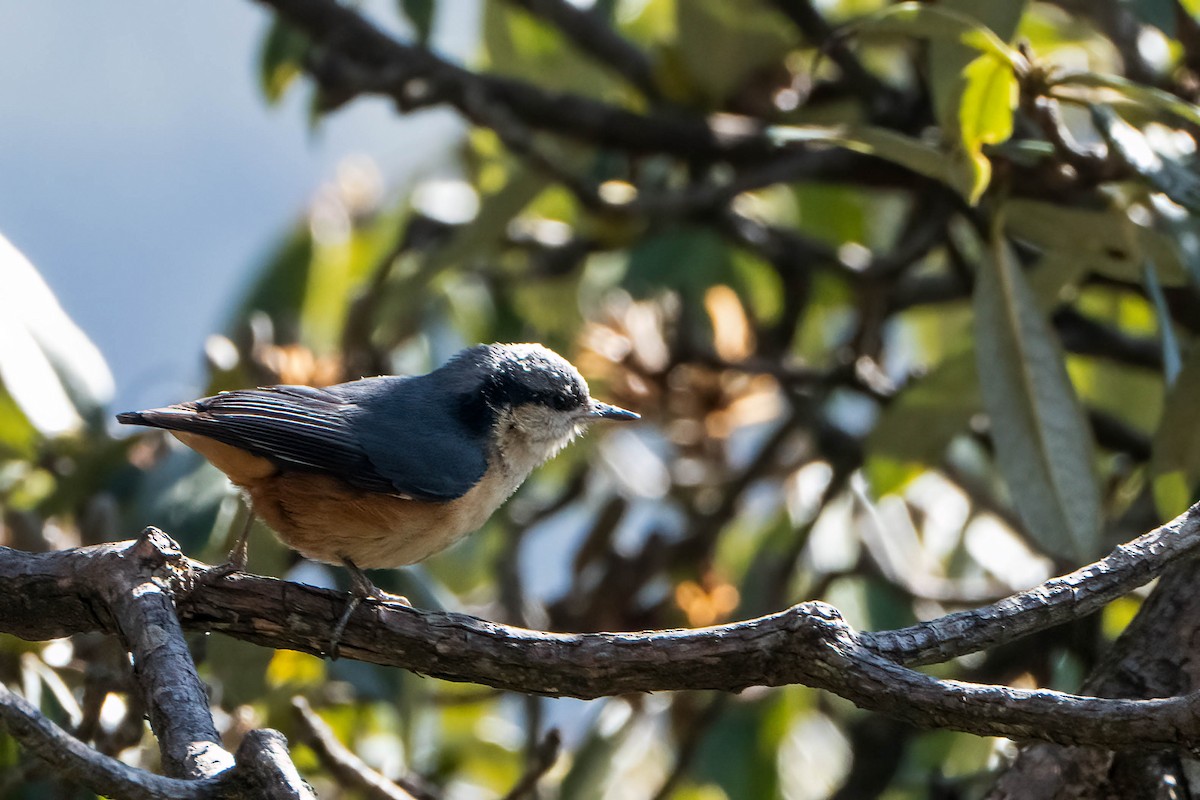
{"x": 809, "y": 21}
{"x": 356, "y": 57}
{"x": 589, "y": 32}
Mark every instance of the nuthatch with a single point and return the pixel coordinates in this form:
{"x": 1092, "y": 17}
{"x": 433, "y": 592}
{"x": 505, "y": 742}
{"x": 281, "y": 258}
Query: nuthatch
{"x": 383, "y": 472}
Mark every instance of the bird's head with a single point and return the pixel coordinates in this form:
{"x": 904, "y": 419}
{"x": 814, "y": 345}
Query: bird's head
{"x": 535, "y": 399}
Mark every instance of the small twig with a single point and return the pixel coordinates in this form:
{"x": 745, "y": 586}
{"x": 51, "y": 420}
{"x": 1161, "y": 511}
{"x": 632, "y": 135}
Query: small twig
{"x": 348, "y": 769}
{"x": 544, "y": 757}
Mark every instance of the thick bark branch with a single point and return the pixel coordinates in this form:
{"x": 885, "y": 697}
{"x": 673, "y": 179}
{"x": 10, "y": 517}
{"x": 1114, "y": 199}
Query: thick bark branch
{"x": 137, "y": 592}
{"x": 808, "y": 644}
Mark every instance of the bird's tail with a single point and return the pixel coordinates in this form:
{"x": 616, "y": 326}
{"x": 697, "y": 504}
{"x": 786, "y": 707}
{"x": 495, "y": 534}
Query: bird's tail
{"x": 170, "y": 418}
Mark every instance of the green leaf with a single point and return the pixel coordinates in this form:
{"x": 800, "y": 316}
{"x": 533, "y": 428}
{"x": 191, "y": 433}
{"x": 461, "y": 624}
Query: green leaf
{"x": 1175, "y": 460}
{"x": 420, "y": 15}
{"x": 1172, "y": 359}
{"x": 1141, "y": 94}
{"x": 722, "y": 45}
{"x": 688, "y": 258}
{"x": 938, "y": 22}
{"x": 1106, "y": 241}
{"x": 1042, "y": 441}
{"x": 912, "y": 154}
{"x": 917, "y": 426}
{"x": 985, "y": 115}
{"x": 281, "y": 59}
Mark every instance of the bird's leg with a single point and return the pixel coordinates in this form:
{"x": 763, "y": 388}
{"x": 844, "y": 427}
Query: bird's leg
{"x": 361, "y": 588}
{"x": 240, "y": 552}
{"x": 236, "y": 560}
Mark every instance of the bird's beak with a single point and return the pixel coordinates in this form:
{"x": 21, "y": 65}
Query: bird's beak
{"x": 600, "y": 410}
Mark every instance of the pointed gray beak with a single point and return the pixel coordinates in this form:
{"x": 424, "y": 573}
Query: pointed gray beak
{"x": 600, "y": 410}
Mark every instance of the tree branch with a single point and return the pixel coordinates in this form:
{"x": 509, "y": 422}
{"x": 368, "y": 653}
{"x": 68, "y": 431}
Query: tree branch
{"x": 80, "y": 763}
{"x": 355, "y": 57}
{"x": 349, "y": 770}
{"x": 809, "y": 644}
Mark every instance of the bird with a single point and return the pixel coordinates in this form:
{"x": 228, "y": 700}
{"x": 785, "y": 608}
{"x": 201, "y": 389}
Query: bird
{"x": 383, "y": 472}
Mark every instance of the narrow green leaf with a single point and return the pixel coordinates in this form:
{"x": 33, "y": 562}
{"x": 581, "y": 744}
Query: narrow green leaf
{"x": 912, "y": 154}
{"x": 1106, "y": 241}
{"x": 1175, "y": 460}
{"x": 420, "y": 14}
{"x": 1139, "y": 93}
{"x": 1043, "y": 444}
{"x": 1172, "y": 358}
{"x": 926, "y": 21}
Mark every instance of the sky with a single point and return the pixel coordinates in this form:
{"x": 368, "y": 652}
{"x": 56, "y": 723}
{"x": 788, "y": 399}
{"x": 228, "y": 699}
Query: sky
{"x": 144, "y": 176}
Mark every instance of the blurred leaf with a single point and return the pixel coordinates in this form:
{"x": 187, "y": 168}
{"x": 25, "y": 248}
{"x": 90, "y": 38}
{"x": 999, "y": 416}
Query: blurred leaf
{"x": 910, "y": 153}
{"x": 520, "y": 45}
{"x": 1170, "y": 177}
{"x": 733, "y": 755}
{"x": 1141, "y": 94}
{"x": 723, "y": 44}
{"x": 918, "y": 425}
{"x": 985, "y": 115}
{"x": 18, "y": 437}
{"x": 1107, "y": 241}
{"x": 1043, "y": 445}
{"x": 279, "y": 288}
{"x": 48, "y": 366}
{"x": 1175, "y": 463}
{"x": 281, "y": 59}
{"x": 938, "y": 22}
{"x": 1159, "y": 13}
{"x": 420, "y": 14}
{"x": 292, "y": 670}
{"x": 975, "y": 94}
{"x": 688, "y": 259}
{"x": 1172, "y": 358}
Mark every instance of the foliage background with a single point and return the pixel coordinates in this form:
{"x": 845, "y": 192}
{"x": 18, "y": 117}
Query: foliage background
{"x": 932, "y": 346}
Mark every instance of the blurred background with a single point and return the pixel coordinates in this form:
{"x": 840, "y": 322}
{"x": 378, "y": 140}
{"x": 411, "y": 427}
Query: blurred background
{"x": 910, "y": 315}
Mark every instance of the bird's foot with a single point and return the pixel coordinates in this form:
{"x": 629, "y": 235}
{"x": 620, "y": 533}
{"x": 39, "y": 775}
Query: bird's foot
{"x": 361, "y": 588}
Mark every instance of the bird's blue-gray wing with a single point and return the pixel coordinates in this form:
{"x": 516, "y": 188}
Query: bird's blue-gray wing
{"x": 418, "y": 433}
{"x": 328, "y": 431}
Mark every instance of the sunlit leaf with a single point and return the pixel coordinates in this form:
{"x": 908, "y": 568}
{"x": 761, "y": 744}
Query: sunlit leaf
{"x": 1043, "y": 445}
{"x": 974, "y": 94}
{"x": 48, "y": 366}
{"x": 1175, "y": 464}
{"x": 985, "y": 115}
